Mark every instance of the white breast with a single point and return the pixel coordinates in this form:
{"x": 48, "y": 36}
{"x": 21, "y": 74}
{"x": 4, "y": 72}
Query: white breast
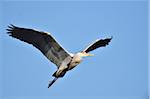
{"x": 75, "y": 61}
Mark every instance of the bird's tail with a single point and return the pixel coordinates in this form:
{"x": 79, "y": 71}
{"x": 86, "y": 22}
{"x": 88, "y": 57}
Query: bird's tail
{"x": 51, "y": 82}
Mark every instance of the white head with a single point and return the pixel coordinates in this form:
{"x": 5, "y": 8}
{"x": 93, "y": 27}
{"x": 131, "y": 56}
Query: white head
{"x": 77, "y": 58}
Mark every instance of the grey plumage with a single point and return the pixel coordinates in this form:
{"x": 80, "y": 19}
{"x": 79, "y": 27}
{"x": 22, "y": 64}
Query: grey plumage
{"x": 98, "y": 43}
{"x": 42, "y": 41}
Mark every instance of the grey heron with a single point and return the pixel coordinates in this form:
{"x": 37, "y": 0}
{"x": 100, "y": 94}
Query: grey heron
{"x": 44, "y": 41}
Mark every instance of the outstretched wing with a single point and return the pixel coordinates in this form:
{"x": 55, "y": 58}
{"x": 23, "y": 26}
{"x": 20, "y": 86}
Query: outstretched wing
{"x": 42, "y": 41}
{"x": 98, "y": 43}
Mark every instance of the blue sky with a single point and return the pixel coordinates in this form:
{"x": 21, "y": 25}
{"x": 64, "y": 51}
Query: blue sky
{"x": 117, "y": 71}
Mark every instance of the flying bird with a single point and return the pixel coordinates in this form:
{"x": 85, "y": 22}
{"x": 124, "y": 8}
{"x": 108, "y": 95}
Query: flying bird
{"x": 44, "y": 41}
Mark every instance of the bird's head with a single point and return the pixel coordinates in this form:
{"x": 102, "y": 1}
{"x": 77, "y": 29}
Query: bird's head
{"x": 84, "y": 54}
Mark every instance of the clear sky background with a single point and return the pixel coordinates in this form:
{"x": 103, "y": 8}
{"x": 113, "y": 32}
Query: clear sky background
{"x": 118, "y": 71}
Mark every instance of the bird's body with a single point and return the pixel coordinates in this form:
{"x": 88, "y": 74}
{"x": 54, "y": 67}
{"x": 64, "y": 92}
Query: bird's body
{"x": 64, "y": 60}
{"x": 69, "y": 63}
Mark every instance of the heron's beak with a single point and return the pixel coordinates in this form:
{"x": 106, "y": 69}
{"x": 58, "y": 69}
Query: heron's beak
{"x": 88, "y": 54}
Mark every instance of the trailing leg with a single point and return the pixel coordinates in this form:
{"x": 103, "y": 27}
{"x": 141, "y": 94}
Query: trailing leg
{"x": 50, "y": 84}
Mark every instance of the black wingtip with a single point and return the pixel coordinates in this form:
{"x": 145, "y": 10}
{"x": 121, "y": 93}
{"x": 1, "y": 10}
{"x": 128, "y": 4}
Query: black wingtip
{"x": 12, "y": 25}
{"x": 109, "y": 39}
{"x": 10, "y": 28}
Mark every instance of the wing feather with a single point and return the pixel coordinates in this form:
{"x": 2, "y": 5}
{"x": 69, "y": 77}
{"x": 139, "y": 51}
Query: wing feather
{"x": 42, "y": 41}
{"x": 98, "y": 43}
